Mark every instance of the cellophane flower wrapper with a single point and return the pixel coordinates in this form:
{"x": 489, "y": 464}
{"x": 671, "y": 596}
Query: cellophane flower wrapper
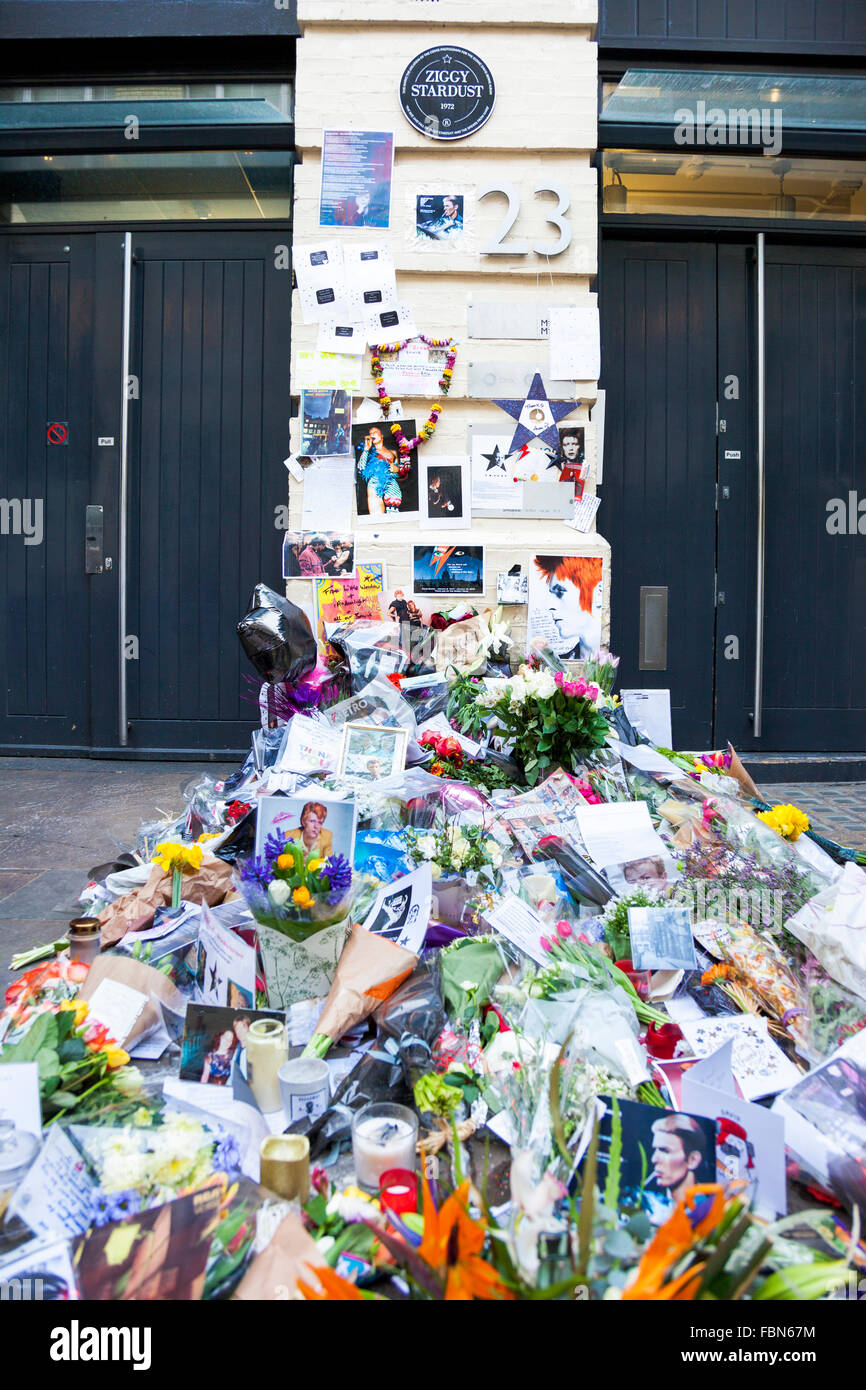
{"x": 761, "y": 966}
{"x": 407, "y": 1026}
{"x": 752, "y": 838}
{"x": 368, "y": 648}
{"x": 834, "y": 1014}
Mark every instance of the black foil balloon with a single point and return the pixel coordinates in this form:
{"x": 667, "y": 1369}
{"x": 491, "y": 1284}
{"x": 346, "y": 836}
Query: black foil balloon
{"x": 277, "y": 637}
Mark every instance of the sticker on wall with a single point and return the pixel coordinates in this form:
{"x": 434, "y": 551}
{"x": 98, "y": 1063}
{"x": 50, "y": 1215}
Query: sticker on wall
{"x": 386, "y": 482}
{"x": 321, "y": 280}
{"x": 565, "y": 602}
{"x": 327, "y": 371}
{"x": 343, "y": 336}
{"x": 575, "y": 343}
{"x": 357, "y": 167}
{"x": 387, "y": 325}
{"x": 326, "y": 422}
{"x": 370, "y": 281}
{"x": 447, "y": 93}
{"x": 493, "y": 485}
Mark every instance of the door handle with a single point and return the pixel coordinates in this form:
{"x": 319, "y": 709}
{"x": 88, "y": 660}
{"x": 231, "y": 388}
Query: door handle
{"x": 758, "y": 712}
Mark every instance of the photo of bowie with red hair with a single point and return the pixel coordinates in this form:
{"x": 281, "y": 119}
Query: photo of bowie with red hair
{"x": 566, "y": 593}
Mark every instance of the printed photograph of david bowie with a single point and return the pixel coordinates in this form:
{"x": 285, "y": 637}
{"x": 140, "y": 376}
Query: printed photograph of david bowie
{"x": 571, "y": 459}
{"x": 439, "y": 218}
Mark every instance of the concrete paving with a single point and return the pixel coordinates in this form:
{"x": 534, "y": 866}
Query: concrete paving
{"x": 60, "y": 817}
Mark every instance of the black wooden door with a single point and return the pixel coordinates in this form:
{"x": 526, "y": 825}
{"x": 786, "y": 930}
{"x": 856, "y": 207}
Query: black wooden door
{"x": 46, "y": 445}
{"x": 658, "y": 316}
{"x": 208, "y": 433}
{"x": 814, "y": 670}
{"x": 208, "y": 422}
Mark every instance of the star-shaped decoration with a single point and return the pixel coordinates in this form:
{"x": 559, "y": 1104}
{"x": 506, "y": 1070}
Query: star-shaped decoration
{"x": 536, "y": 416}
{"x": 495, "y": 460}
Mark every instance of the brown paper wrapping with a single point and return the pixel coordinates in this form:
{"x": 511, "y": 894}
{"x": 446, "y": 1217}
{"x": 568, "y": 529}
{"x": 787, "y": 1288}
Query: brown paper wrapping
{"x": 135, "y": 910}
{"x": 460, "y": 645}
{"x": 368, "y": 971}
{"x": 136, "y": 975}
{"x": 273, "y": 1275}
{"x": 742, "y": 776}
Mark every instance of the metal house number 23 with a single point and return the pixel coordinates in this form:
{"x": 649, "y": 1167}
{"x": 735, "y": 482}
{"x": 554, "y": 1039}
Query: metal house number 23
{"x": 498, "y": 247}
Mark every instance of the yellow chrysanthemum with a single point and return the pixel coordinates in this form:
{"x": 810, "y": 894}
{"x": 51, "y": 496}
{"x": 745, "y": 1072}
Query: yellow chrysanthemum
{"x": 787, "y": 821}
{"x": 315, "y": 865}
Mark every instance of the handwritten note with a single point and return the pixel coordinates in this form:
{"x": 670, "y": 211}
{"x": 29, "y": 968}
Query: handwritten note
{"x": 55, "y": 1198}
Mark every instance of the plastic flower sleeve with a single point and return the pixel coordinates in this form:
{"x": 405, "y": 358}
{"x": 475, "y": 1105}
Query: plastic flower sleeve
{"x": 368, "y": 649}
{"x": 277, "y": 637}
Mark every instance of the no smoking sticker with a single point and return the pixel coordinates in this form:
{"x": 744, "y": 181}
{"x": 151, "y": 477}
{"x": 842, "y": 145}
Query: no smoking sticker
{"x": 57, "y": 432}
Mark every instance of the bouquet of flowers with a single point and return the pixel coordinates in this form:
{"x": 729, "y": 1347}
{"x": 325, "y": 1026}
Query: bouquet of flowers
{"x": 450, "y": 761}
{"x": 81, "y": 1066}
{"x": 551, "y": 720}
{"x": 456, "y": 849}
{"x": 295, "y": 893}
{"x": 601, "y": 669}
{"x": 144, "y": 1165}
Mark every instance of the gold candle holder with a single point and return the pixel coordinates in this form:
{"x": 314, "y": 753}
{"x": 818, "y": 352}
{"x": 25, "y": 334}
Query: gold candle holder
{"x": 285, "y": 1165}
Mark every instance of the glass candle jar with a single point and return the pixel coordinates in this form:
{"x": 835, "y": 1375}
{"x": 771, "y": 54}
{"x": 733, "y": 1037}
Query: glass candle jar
{"x": 267, "y": 1047}
{"x": 285, "y": 1165}
{"x": 85, "y": 939}
{"x": 398, "y": 1190}
{"x": 383, "y": 1136}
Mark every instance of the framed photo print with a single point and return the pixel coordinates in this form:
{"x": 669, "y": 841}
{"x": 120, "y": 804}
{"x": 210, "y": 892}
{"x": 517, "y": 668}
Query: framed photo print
{"x": 371, "y": 752}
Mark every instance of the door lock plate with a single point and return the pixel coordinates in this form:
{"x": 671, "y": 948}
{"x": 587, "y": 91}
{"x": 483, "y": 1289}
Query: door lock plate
{"x": 94, "y": 531}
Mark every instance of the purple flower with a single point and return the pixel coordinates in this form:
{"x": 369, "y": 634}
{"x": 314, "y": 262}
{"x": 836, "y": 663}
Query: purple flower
{"x": 257, "y": 871}
{"x": 227, "y": 1155}
{"x": 275, "y": 845}
{"x": 337, "y": 872}
{"x": 124, "y": 1204}
{"x": 100, "y": 1208}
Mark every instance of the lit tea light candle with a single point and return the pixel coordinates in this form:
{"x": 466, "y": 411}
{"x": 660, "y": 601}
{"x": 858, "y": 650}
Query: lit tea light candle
{"x": 383, "y": 1138}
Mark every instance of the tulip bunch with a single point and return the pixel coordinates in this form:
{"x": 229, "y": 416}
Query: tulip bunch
{"x": 566, "y": 949}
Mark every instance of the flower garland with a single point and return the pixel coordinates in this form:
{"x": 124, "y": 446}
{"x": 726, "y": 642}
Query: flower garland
{"x": 407, "y": 445}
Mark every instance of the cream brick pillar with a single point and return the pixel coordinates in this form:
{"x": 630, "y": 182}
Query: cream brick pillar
{"x": 351, "y": 57}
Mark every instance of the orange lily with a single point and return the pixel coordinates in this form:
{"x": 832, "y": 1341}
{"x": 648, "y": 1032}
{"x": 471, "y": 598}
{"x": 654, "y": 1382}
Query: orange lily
{"x": 452, "y": 1244}
{"x": 671, "y": 1241}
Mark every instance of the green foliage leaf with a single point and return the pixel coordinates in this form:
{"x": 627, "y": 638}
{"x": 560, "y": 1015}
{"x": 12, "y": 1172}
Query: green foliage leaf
{"x": 48, "y": 1063}
{"x": 42, "y": 1033}
{"x": 72, "y": 1050}
{"x": 63, "y": 1100}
